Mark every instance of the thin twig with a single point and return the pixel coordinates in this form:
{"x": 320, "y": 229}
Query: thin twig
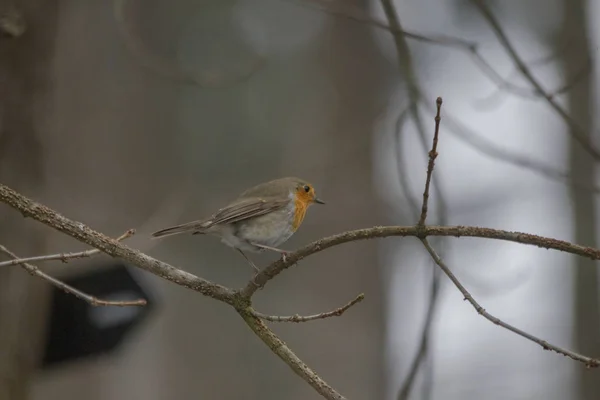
{"x": 547, "y": 59}
{"x": 239, "y": 299}
{"x": 344, "y": 10}
{"x": 278, "y": 347}
{"x": 414, "y": 92}
{"x": 85, "y": 234}
{"x": 299, "y": 318}
{"x": 489, "y": 148}
{"x": 405, "y": 389}
{"x": 578, "y": 133}
{"x": 64, "y": 257}
{"x": 562, "y": 89}
{"x": 432, "y": 155}
{"x": 92, "y": 300}
{"x": 584, "y": 72}
{"x": 588, "y": 361}
{"x": 352, "y": 13}
{"x": 468, "y": 136}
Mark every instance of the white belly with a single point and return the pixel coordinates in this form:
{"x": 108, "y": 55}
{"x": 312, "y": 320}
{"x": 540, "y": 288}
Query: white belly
{"x": 270, "y": 230}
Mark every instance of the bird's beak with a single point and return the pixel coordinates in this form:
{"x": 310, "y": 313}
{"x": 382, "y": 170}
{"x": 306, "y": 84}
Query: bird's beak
{"x": 319, "y": 201}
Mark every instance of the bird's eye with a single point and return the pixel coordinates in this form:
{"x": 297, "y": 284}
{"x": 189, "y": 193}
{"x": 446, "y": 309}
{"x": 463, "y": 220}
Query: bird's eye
{"x": 306, "y": 188}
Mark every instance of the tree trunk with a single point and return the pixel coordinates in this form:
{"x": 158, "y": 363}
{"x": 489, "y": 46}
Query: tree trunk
{"x": 24, "y": 72}
{"x": 586, "y": 308}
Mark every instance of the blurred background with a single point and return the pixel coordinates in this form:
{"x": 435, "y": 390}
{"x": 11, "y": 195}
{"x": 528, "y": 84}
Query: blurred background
{"x": 131, "y": 114}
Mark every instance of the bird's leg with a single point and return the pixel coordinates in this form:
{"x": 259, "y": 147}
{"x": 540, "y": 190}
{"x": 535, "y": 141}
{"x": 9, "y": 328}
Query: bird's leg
{"x": 284, "y": 253}
{"x": 249, "y": 261}
{"x": 253, "y": 266}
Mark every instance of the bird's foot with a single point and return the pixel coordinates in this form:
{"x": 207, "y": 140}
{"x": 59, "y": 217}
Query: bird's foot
{"x": 284, "y": 256}
{"x": 283, "y": 253}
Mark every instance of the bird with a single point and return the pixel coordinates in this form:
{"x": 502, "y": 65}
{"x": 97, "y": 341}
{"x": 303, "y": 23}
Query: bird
{"x": 261, "y": 218}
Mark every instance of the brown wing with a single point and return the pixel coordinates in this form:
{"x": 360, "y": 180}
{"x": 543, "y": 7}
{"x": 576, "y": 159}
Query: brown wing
{"x": 246, "y": 208}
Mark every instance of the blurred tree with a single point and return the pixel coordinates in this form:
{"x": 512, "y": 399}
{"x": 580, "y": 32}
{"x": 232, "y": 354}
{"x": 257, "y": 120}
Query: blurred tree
{"x": 533, "y": 28}
{"x": 580, "y": 97}
{"x": 25, "y": 70}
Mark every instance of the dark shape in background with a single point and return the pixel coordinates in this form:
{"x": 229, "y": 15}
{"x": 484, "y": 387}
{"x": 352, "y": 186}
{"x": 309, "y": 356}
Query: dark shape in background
{"x": 79, "y": 330}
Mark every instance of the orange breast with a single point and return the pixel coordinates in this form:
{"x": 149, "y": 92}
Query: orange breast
{"x": 300, "y": 206}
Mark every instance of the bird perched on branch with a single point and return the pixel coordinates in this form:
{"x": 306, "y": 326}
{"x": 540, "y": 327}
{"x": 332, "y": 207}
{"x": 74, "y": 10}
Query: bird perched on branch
{"x": 261, "y": 218}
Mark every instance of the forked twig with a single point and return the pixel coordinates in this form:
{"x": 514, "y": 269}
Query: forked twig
{"x": 92, "y": 300}
{"x": 588, "y": 361}
{"x": 64, "y": 257}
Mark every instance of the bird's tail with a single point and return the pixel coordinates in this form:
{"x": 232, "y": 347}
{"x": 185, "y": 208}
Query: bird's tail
{"x": 195, "y": 227}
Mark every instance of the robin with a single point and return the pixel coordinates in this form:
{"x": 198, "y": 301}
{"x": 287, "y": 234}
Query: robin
{"x": 261, "y": 218}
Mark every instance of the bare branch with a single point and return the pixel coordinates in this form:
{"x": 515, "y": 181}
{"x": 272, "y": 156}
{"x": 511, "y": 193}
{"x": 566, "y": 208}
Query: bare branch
{"x": 407, "y": 385}
{"x": 423, "y": 347}
{"x": 84, "y": 234}
{"x": 111, "y": 247}
{"x": 578, "y": 133}
{"x": 92, "y": 300}
{"x": 298, "y": 318}
{"x": 588, "y": 361}
{"x": 415, "y": 95}
{"x": 64, "y": 257}
{"x": 344, "y": 10}
{"x": 240, "y": 300}
{"x": 81, "y": 232}
{"x": 279, "y": 266}
{"x": 489, "y": 148}
{"x": 502, "y": 89}
{"x": 407, "y": 70}
{"x": 584, "y": 72}
{"x": 287, "y": 355}
{"x": 432, "y": 155}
